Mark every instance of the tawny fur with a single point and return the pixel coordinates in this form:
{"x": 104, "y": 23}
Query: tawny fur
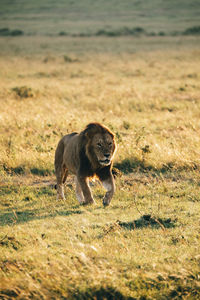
{"x": 86, "y": 154}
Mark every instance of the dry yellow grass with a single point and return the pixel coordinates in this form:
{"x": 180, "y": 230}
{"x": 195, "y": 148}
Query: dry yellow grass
{"x": 156, "y": 93}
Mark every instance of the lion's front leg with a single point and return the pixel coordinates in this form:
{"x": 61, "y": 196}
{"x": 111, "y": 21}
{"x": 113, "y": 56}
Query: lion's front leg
{"x": 109, "y": 185}
{"x": 84, "y": 187}
{"x": 60, "y": 192}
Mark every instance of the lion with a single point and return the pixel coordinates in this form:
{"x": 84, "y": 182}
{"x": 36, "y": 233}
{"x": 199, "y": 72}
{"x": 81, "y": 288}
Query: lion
{"x": 86, "y": 154}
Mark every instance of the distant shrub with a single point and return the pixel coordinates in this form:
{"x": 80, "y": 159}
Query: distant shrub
{"x": 48, "y": 59}
{"x": 126, "y": 125}
{"x": 161, "y": 33}
{"x": 69, "y": 59}
{"x": 138, "y": 30}
{"x": 85, "y": 34}
{"x": 8, "y": 32}
{"x": 16, "y": 32}
{"x": 152, "y": 33}
{"x": 101, "y": 32}
{"x": 124, "y": 31}
{"x": 4, "y": 31}
{"x": 23, "y": 91}
{"x": 63, "y": 33}
{"x": 195, "y": 30}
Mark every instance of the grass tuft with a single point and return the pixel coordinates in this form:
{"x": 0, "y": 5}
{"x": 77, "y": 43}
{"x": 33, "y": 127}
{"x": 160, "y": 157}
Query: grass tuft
{"x": 23, "y": 92}
{"x": 10, "y": 242}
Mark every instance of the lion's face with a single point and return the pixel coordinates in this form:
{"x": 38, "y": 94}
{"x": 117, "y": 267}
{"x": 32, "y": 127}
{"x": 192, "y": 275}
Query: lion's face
{"x": 103, "y": 146}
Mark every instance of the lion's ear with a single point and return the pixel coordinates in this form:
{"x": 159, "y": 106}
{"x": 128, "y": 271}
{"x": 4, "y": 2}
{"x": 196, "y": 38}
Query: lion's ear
{"x": 87, "y": 134}
{"x": 91, "y": 129}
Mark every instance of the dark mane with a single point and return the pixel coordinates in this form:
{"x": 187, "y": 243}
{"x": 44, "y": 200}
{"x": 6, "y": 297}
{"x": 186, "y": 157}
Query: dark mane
{"x": 96, "y": 128}
{"x": 85, "y": 165}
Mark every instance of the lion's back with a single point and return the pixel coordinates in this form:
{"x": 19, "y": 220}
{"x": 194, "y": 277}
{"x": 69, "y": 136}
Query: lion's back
{"x": 71, "y": 143}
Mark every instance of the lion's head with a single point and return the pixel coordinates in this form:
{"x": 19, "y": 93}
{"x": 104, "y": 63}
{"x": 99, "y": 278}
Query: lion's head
{"x": 100, "y": 146}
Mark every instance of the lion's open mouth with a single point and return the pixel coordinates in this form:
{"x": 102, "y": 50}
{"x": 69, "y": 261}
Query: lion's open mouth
{"x": 105, "y": 162}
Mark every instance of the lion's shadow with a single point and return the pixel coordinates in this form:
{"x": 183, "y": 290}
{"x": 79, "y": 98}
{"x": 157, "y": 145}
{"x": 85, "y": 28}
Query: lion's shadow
{"x": 20, "y": 216}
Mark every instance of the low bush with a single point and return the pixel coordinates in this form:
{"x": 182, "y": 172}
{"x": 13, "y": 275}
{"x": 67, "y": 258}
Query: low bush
{"x": 124, "y": 31}
{"x": 8, "y": 32}
{"x": 195, "y": 30}
{"x": 23, "y": 91}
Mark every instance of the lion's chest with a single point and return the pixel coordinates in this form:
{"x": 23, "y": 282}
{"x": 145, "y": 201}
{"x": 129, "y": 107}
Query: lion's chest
{"x": 85, "y": 166}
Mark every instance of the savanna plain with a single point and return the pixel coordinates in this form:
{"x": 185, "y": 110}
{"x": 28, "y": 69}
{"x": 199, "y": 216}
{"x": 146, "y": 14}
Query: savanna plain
{"x": 146, "y": 244}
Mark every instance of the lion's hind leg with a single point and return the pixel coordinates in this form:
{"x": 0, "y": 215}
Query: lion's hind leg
{"x": 61, "y": 176}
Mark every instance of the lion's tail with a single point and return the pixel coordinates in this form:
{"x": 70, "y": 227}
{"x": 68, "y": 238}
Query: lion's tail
{"x": 59, "y": 155}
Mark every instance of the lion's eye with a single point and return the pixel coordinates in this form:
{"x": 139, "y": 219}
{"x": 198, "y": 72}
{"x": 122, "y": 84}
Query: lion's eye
{"x": 99, "y": 145}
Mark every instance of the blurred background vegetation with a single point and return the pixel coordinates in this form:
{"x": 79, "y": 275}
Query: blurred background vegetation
{"x": 91, "y": 17}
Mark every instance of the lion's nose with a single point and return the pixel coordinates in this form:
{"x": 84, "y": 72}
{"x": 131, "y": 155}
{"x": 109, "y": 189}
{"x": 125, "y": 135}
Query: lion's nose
{"x": 106, "y": 155}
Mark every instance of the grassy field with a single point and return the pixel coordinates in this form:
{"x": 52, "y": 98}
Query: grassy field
{"x": 146, "y": 244}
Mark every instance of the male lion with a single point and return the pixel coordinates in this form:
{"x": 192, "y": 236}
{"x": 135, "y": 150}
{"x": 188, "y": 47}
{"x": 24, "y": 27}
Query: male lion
{"x": 86, "y": 154}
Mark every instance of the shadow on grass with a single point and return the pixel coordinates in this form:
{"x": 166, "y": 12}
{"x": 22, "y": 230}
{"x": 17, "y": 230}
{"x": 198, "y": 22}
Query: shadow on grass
{"x": 143, "y": 222}
{"x": 126, "y": 166}
{"x": 41, "y": 171}
{"x": 108, "y": 293}
{"x": 39, "y": 191}
{"x": 148, "y": 221}
{"x": 18, "y": 217}
{"x": 129, "y": 165}
{"x": 22, "y": 169}
{"x": 19, "y": 170}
